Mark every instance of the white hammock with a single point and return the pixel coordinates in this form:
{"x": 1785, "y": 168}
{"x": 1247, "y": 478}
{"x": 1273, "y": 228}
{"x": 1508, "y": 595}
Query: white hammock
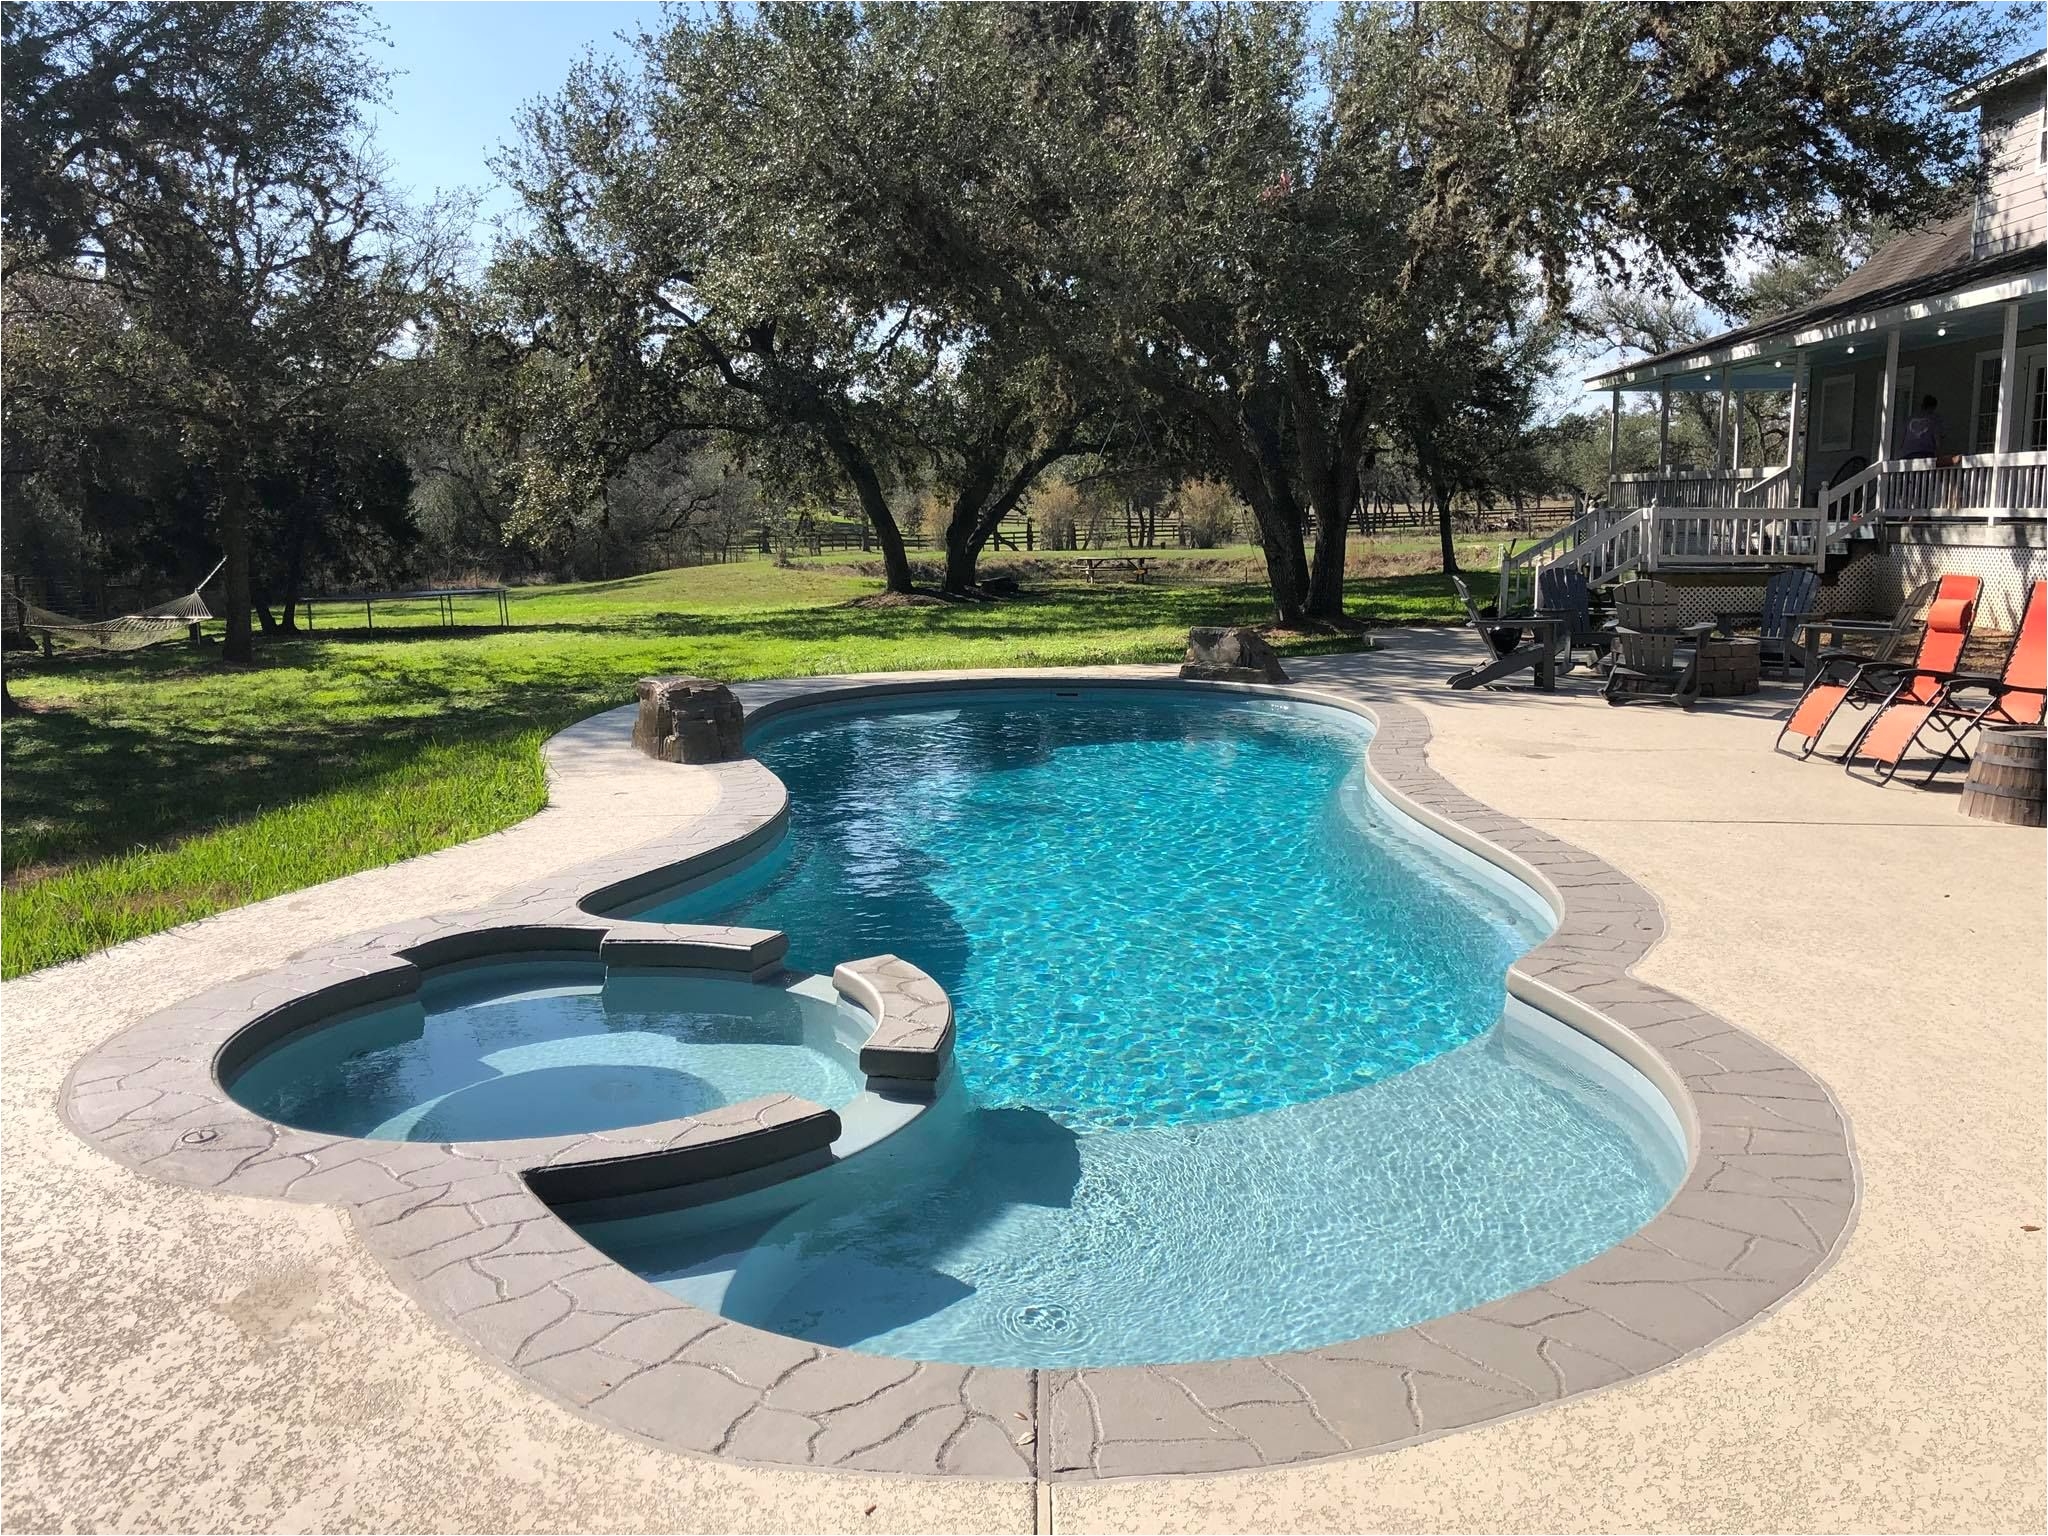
{"x": 129, "y": 632}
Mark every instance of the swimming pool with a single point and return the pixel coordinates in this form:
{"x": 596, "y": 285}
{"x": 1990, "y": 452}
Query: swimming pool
{"x": 1232, "y": 1070}
{"x": 544, "y": 1047}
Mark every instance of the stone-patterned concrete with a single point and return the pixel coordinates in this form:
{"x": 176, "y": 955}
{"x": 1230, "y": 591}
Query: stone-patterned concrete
{"x": 913, "y": 1035}
{"x": 1770, "y": 1193}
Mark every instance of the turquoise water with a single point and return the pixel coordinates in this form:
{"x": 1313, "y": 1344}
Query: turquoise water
{"x": 1146, "y": 913}
{"x": 549, "y": 1048}
{"x": 1232, "y": 1076}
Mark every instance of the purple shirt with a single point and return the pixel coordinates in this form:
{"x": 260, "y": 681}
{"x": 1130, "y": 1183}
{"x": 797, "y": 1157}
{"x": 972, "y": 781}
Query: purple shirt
{"x": 1923, "y": 436}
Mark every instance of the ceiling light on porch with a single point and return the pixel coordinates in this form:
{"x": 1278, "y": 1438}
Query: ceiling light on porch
{"x": 1941, "y": 330}
{"x": 1778, "y": 362}
{"x": 1852, "y": 351}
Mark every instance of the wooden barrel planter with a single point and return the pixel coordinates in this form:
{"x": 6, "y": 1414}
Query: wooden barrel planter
{"x": 2006, "y": 781}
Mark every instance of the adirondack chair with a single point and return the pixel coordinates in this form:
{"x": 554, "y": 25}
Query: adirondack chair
{"x": 1564, "y": 594}
{"x": 1788, "y": 599}
{"x": 1929, "y": 703}
{"x": 1506, "y": 655}
{"x": 1656, "y": 658}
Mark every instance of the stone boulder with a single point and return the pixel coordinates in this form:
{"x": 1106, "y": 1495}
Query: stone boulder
{"x": 1231, "y": 656}
{"x": 688, "y": 720}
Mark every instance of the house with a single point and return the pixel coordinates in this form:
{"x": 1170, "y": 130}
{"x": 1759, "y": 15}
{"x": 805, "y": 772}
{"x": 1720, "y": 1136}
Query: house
{"x": 1958, "y": 312}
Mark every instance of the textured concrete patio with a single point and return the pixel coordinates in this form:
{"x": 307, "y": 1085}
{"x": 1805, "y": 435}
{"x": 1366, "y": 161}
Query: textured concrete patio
{"x": 184, "y": 1359}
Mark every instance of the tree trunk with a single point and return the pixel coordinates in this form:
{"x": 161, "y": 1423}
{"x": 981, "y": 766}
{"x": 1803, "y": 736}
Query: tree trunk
{"x": 1286, "y": 563}
{"x": 1443, "y": 531}
{"x": 977, "y": 513}
{"x": 239, "y": 643}
{"x": 9, "y": 706}
{"x": 867, "y": 485}
{"x": 963, "y": 554}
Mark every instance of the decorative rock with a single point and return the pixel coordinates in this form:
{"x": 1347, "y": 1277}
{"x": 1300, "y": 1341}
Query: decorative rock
{"x": 1231, "y": 656}
{"x": 688, "y": 720}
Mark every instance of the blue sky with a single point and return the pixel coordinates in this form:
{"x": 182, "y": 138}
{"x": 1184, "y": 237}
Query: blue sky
{"x": 467, "y": 66}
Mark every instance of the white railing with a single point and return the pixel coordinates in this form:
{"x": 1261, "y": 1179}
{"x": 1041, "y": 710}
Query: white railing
{"x": 1518, "y": 571}
{"x": 1845, "y": 507}
{"x": 1772, "y": 488}
{"x": 1697, "y": 487}
{"x": 1758, "y": 526}
{"x": 1975, "y": 484}
{"x": 1614, "y": 547}
{"x": 1732, "y": 536}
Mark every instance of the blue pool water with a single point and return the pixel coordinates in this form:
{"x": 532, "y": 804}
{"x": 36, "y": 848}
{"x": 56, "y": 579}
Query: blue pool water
{"x": 549, "y": 1048}
{"x": 1147, "y": 912}
{"x": 1233, "y": 1074}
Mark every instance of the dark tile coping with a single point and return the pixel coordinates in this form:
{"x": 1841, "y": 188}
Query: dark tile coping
{"x": 1768, "y": 1199}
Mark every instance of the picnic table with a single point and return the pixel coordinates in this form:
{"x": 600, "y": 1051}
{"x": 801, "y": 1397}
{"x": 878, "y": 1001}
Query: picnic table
{"x": 1138, "y": 565}
{"x": 443, "y": 599}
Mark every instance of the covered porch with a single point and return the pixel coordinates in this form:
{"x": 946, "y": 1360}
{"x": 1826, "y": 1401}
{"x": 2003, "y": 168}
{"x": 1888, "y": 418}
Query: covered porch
{"x": 1847, "y": 388}
{"x": 1818, "y": 449}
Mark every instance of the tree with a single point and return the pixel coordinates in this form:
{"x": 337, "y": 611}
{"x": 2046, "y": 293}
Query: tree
{"x": 1466, "y": 412}
{"x": 1255, "y": 232}
{"x": 198, "y": 163}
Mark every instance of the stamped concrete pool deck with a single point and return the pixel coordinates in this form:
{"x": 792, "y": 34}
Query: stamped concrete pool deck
{"x": 177, "y": 1358}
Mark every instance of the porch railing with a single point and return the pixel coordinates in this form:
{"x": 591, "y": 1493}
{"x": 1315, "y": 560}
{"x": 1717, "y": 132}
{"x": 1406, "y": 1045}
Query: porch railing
{"x": 1733, "y": 536}
{"x": 1517, "y": 586}
{"x": 1701, "y": 487}
{"x": 1979, "y": 483}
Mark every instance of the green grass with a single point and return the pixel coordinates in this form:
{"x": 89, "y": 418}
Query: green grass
{"x": 153, "y": 788}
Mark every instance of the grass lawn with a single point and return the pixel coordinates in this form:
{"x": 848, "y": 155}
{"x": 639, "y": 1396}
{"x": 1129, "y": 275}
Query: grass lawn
{"x": 153, "y": 788}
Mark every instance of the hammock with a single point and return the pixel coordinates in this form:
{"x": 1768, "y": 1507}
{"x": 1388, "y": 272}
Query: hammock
{"x": 129, "y": 632}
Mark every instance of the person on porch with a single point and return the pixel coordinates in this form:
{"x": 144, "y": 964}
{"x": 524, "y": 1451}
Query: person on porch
{"x": 1923, "y": 432}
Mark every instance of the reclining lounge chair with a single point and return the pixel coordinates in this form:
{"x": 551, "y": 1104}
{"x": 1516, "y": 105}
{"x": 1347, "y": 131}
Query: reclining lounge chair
{"x": 1926, "y": 703}
{"x": 1841, "y": 677}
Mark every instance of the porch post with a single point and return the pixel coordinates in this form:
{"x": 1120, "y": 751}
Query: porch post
{"x": 1795, "y": 434}
{"x": 1721, "y": 430}
{"x": 1884, "y": 415}
{"x": 1613, "y": 438}
{"x": 1735, "y": 435}
{"x": 2008, "y": 408}
{"x": 1664, "y": 426}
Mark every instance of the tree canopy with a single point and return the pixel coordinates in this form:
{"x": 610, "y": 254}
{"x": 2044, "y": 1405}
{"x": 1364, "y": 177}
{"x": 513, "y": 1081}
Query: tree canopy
{"x": 911, "y": 255}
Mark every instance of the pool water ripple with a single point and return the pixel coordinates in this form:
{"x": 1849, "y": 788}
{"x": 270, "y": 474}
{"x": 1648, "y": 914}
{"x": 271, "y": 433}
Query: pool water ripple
{"x": 1234, "y": 1071}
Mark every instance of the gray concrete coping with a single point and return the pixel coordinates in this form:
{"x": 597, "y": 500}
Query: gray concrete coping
{"x": 468, "y": 1230}
{"x": 913, "y": 1034}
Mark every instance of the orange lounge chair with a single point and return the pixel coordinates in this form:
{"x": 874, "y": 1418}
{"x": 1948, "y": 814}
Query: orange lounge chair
{"x": 1840, "y": 677}
{"x": 1920, "y": 700}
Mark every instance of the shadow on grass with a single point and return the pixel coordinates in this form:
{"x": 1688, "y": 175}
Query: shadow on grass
{"x": 147, "y": 751}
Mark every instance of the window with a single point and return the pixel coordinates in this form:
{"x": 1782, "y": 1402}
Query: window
{"x": 1837, "y": 412}
{"x": 1903, "y": 406}
{"x": 2030, "y": 431}
{"x": 1984, "y": 414}
{"x": 2034, "y": 369}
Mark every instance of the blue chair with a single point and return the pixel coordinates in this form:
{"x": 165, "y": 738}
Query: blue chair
{"x": 1564, "y": 592}
{"x": 1789, "y": 597}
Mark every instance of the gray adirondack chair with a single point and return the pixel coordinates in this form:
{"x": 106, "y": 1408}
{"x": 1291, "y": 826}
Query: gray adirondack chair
{"x": 1656, "y": 658}
{"x": 1506, "y": 654}
{"x": 1788, "y": 598}
{"x": 1564, "y": 593}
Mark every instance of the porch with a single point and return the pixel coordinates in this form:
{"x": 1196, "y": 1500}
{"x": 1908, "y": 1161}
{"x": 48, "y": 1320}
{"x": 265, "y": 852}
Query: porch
{"x": 1820, "y": 445}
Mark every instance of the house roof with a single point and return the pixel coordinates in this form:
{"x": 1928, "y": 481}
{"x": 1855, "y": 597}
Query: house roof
{"x": 1998, "y": 79}
{"x": 1921, "y": 265}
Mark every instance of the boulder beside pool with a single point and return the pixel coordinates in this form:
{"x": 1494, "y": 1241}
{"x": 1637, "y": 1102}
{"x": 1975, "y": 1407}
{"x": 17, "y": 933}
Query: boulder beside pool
{"x": 1231, "y": 656}
{"x": 688, "y": 720}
